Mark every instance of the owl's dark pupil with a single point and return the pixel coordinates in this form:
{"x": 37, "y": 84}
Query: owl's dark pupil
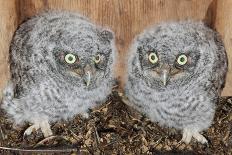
{"x": 153, "y": 57}
{"x": 70, "y": 58}
{"x": 97, "y": 58}
{"x": 182, "y": 59}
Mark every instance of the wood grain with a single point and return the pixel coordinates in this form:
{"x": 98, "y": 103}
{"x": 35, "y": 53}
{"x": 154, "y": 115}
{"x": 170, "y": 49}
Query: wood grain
{"x": 8, "y": 23}
{"x": 127, "y": 18}
{"x": 223, "y": 25}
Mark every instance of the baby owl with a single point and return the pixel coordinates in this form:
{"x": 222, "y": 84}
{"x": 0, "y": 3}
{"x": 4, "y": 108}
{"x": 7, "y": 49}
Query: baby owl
{"x": 61, "y": 65}
{"x": 176, "y": 72}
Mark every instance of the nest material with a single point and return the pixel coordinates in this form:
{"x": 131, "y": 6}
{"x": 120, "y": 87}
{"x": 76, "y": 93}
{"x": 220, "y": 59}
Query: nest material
{"x": 115, "y": 128}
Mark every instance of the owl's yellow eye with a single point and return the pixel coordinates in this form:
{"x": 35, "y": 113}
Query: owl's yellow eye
{"x": 97, "y": 58}
{"x": 182, "y": 59}
{"x": 70, "y": 58}
{"x": 153, "y": 58}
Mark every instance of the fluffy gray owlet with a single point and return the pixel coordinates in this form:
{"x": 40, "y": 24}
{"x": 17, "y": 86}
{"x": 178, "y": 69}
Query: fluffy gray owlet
{"x": 61, "y": 64}
{"x": 176, "y": 74}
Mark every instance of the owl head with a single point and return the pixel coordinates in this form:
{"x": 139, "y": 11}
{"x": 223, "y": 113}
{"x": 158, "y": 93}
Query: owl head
{"x": 69, "y": 47}
{"x": 171, "y": 55}
{"x": 90, "y": 60}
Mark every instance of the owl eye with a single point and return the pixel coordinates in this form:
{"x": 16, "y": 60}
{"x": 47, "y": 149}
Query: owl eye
{"x": 70, "y": 58}
{"x": 153, "y": 58}
{"x": 97, "y": 58}
{"x": 182, "y": 59}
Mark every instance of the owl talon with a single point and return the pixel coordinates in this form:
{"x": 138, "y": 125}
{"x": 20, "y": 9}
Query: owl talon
{"x": 44, "y": 126}
{"x": 188, "y": 134}
{"x": 200, "y": 138}
{"x": 85, "y": 115}
{"x": 30, "y": 129}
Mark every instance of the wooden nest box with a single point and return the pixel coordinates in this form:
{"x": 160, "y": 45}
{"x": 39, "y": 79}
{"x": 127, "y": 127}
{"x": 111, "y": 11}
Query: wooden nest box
{"x": 126, "y": 18}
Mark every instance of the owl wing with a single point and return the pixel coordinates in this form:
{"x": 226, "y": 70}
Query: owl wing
{"x": 221, "y": 65}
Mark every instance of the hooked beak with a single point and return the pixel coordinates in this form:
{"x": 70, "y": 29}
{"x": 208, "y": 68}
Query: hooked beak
{"x": 87, "y": 78}
{"x": 87, "y": 75}
{"x": 165, "y": 76}
{"x": 164, "y": 73}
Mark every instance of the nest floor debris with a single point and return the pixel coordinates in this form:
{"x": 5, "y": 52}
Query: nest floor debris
{"x": 115, "y": 128}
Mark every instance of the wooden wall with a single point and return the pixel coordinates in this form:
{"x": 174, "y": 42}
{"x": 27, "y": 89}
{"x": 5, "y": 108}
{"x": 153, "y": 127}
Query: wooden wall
{"x": 125, "y": 17}
{"x": 223, "y": 24}
{"x": 8, "y": 24}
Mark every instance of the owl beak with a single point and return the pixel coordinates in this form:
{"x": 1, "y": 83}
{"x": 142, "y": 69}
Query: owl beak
{"x": 87, "y": 75}
{"x": 165, "y": 77}
{"x": 164, "y": 73}
{"x": 87, "y": 78}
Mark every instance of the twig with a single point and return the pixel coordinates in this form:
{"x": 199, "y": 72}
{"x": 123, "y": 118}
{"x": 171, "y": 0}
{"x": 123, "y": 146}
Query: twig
{"x": 115, "y": 86}
{"x": 97, "y": 138}
{"x": 112, "y": 142}
{"x": 179, "y": 144}
{"x": 74, "y": 135}
{"x": 105, "y": 106}
{"x": 158, "y": 141}
{"x": 37, "y": 150}
{"x": 2, "y": 134}
{"x": 44, "y": 140}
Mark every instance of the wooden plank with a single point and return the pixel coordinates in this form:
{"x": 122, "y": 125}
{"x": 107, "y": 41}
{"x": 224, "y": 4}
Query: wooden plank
{"x": 223, "y": 24}
{"x": 8, "y": 23}
{"x": 127, "y": 18}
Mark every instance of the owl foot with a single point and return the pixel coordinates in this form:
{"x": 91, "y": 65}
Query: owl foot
{"x": 85, "y": 115}
{"x": 188, "y": 134}
{"x": 43, "y": 125}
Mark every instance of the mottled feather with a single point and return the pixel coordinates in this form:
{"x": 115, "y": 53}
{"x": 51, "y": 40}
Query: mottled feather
{"x": 189, "y": 98}
{"x": 44, "y": 86}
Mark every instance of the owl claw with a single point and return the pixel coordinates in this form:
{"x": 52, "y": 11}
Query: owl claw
{"x": 200, "y": 138}
{"x": 188, "y": 134}
{"x": 30, "y": 129}
{"x": 44, "y": 126}
{"x": 85, "y": 115}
